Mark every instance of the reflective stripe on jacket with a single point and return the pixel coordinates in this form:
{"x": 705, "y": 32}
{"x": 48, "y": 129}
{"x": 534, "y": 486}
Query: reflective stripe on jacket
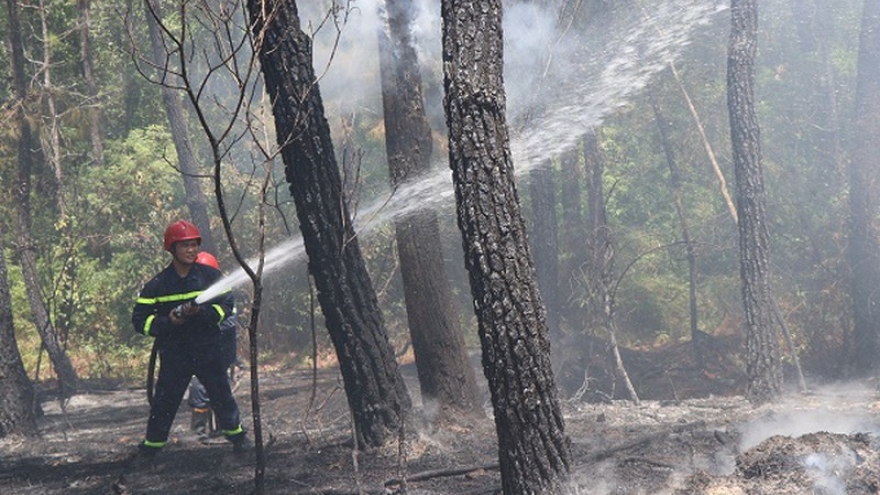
{"x": 167, "y": 290}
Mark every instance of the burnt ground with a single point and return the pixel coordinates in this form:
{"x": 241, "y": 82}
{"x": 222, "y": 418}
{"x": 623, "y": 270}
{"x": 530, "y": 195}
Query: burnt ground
{"x": 822, "y": 442}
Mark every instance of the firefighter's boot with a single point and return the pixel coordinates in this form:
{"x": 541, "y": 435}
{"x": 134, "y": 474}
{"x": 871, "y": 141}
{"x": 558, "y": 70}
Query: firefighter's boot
{"x": 241, "y": 444}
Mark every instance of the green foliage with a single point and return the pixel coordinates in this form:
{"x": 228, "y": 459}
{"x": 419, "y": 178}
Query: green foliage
{"x": 111, "y": 243}
{"x": 806, "y": 186}
{"x": 93, "y": 260}
{"x": 131, "y": 201}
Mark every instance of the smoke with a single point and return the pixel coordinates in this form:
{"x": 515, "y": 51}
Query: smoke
{"x": 797, "y": 423}
{"x": 828, "y": 471}
{"x": 587, "y": 74}
{"x": 831, "y": 409}
{"x": 842, "y": 408}
{"x": 560, "y": 80}
{"x": 560, "y": 83}
{"x": 345, "y": 45}
{"x": 345, "y": 50}
{"x": 598, "y": 479}
{"x": 530, "y": 33}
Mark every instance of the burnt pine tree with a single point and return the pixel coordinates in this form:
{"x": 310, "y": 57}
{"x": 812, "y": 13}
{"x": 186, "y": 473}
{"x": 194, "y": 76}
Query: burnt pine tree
{"x": 445, "y": 374}
{"x": 545, "y": 242}
{"x": 599, "y": 268}
{"x": 374, "y": 387}
{"x": 544, "y": 225}
{"x": 17, "y": 408}
{"x": 864, "y": 178}
{"x": 762, "y": 347}
{"x": 534, "y": 451}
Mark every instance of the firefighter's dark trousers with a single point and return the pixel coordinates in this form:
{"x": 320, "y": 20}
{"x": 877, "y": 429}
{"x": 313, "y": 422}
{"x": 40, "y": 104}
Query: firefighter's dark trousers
{"x": 175, "y": 371}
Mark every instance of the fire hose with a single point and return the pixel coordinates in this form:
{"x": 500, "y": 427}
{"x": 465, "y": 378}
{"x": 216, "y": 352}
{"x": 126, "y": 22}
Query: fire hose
{"x": 151, "y": 367}
{"x": 151, "y": 372}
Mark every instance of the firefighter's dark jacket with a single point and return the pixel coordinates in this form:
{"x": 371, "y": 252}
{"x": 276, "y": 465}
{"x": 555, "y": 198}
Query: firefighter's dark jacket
{"x": 167, "y": 290}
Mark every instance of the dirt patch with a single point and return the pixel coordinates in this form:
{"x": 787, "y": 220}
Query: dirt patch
{"x": 824, "y": 442}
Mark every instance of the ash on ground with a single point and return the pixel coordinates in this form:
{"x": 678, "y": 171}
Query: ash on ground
{"x": 824, "y": 442}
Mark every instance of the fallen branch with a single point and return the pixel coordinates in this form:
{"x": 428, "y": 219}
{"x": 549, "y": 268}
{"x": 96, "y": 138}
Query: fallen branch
{"x": 650, "y": 462}
{"x": 441, "y": 473}
{"x": 639, "y": 442}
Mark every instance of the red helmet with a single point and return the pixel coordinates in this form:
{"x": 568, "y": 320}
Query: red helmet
{"x": 207, "y": 258}
{"x": 181, "y": 230}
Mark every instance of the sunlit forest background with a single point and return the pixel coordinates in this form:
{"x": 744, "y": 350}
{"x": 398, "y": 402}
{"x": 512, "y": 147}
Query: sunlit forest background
{"x": 98, "y": 224}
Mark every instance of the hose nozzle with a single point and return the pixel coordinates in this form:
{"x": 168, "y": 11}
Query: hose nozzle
{"x": 180, "y": 310}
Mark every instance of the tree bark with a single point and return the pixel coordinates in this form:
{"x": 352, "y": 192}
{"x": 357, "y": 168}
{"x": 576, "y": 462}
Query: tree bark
{"x": 534, "y": 451}
{"x": 598, "y": 274}
{"x": 93, "y": 109}
{"x": 27, "y": 251}
{"x": 762, "y": 347}
{"x": 545, "y": 242}
{"x": 444, "y": 371}
{"x": 189, "y": 167}
{"x": 374, "y": 387}
{"x": 17, "y": 409}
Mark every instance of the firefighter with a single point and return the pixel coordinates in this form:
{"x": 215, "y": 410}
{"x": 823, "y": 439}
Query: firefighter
{"x": 203, "y": 421}
{"x": 188, "y": 340}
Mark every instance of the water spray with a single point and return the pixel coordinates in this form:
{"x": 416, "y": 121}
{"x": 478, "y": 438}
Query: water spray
{"x": 626, "y": 65}
{"x": 280, "y": 255}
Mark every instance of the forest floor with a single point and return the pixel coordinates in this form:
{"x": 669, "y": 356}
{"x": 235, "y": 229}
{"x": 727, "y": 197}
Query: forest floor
{"x": 824, "y": 441}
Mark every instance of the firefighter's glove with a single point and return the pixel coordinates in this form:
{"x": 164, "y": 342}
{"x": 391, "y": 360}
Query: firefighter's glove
{"x": 184, "y": 312}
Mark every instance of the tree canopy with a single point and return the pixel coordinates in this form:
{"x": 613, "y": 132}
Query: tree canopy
{"x": 92, "y": 259}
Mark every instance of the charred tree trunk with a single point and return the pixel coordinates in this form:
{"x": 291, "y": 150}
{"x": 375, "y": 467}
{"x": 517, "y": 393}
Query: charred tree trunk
{"x": 545, "y": 242}
{"x": 27, "y": 251}
{"x": 533, "y": 448}
{"x": 374, "y": 387}
{"x": 762, "y": 347}
{"x": 17, "y": 410}
{"x": 189, "y": 167}
{"x": 598, "y": 273}
{"x": 444, "y": 371}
